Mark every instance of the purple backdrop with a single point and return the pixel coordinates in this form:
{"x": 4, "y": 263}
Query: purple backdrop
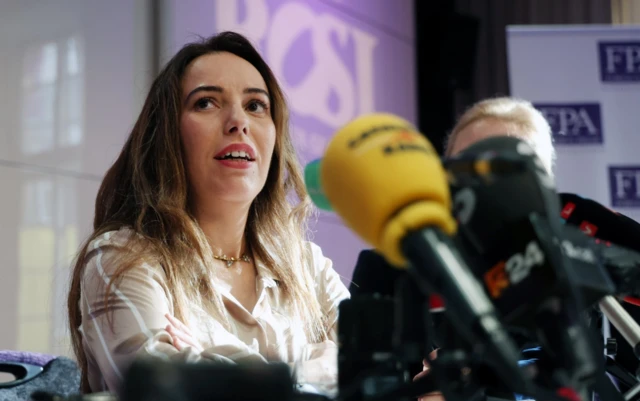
{"x": 336, "y": 59}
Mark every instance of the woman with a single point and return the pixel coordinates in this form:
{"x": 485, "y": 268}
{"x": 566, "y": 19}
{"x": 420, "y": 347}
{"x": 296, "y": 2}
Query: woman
{"x": 197, "y": 253}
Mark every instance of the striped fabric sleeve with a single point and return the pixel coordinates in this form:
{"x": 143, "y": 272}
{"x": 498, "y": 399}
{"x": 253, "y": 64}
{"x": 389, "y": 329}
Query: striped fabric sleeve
{"x": 134, "y": 323}
{"x": 319, "y": 364}
{"x": 329, "y": 288}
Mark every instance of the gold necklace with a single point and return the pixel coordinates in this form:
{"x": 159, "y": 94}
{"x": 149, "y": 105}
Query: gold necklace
{"x": 230, "y": 261}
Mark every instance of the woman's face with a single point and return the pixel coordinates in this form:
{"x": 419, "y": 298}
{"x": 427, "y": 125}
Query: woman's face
{"x": 226, "y": 127}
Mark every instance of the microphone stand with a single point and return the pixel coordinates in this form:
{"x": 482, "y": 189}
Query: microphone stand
{"x": 459, "y": 372}
{"x": 622, "y": 321}
{"x": 413, "y": 334}
{"x": 630, "y": 330}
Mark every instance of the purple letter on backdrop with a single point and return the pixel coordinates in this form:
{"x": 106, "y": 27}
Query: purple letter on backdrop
{"x": 619, "y": 61}
{"x": 575, "y": 123}
{"x": 624, "y": 184}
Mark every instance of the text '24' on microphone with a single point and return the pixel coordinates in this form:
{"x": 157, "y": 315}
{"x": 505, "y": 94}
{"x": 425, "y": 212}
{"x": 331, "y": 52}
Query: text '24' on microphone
{"x": 507, "y": 209}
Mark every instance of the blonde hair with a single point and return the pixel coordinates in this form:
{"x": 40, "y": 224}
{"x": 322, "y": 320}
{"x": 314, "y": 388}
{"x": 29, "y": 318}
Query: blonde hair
{"x": 147, "y": 189}
{"x": 529, "y": 122}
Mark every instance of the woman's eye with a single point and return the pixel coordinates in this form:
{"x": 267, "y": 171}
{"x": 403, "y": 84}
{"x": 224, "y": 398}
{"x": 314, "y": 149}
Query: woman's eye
{"x": 257, "y": 106}
{"x": 204, "y": 103}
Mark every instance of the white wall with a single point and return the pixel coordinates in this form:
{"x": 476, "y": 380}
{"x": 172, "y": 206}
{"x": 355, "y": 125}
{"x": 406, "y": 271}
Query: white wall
{"x": 73, "y": 74}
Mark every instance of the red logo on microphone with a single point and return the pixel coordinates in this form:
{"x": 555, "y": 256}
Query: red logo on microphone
{"x": 568, "y": 394}
{"x": 496, "y": 280}
{"x": 436, "y": 303}
{"x": 588, "y": 228}
{"x": 567, "y": 210}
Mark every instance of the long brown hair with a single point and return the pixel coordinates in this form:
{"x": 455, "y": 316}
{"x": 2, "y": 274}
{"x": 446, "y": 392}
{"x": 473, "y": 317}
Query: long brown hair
{"x": 146, "y": 189}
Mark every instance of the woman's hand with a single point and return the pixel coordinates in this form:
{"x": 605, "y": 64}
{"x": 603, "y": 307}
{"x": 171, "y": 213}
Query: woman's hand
{"x": 181, "y": 335}
{"x": 435, "y": 396}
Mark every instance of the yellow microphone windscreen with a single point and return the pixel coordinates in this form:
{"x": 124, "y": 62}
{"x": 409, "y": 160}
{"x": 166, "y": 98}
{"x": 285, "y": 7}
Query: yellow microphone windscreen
{"x": 376, "y": 171}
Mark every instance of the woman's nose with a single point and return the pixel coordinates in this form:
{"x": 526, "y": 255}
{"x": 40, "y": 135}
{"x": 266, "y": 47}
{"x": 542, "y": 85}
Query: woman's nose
{"x": 237, "y": 122}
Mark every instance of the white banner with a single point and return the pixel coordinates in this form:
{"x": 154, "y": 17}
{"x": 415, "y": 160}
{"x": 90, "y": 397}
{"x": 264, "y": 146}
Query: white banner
{"x": 586, "y": 80}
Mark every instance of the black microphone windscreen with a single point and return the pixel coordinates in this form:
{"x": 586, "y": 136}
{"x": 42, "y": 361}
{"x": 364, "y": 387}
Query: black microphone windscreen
{"x": 599, "y": 221}
{"x": 602, "y": 223}
{"x": 507, "y": 219}
{"x": 373, "y": 275}
{"x": 486, "y": 207}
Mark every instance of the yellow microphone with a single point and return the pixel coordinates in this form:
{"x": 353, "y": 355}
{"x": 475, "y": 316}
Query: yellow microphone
{"x": 388, "y": 185}
{"x": 384, "y": 179}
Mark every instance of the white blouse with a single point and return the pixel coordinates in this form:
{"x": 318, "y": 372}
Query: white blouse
{"x": 141, "y": 300}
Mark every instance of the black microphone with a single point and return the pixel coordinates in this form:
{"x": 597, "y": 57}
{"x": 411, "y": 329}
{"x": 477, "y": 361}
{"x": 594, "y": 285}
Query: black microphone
{"x": 617, "y": 236}
{"x": 374, "y": 275}
{"x": 45, "y": 396}
{"x": 158, "y": 380}
{"x": 409, "y": 221}
{"x": 509, "y": 226}
{"x": 393, "y": 317}
{"x": 598, "y": 221}
{"x": 367, "y": 325}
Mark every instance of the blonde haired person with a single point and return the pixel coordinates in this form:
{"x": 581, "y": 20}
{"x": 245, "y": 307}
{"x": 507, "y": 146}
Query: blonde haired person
{"x": 197, "y": 254}
{"x": 502, "y": 116}
{"x": 499, "y": 116}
